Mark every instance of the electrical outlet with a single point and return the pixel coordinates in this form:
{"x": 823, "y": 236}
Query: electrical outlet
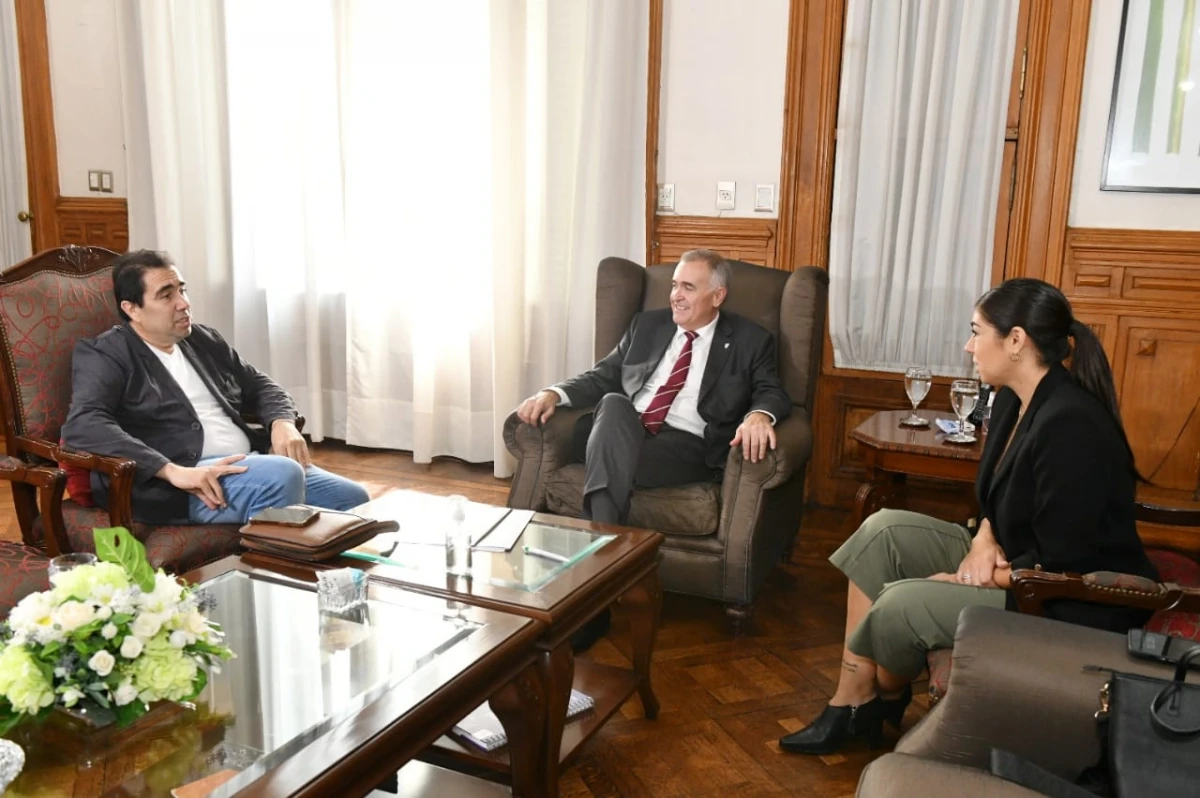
{"x": 666, "y": 196}
{"x": 726, "y": 196}
{"x": 764, "y": 197}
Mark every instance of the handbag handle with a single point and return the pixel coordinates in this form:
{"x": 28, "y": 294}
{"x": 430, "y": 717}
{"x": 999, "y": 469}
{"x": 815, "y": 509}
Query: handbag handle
{"x": 1174, "y": 687}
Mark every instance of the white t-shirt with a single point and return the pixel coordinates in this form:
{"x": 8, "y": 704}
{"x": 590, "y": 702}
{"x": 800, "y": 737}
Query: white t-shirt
{"x": 221, "y": 435}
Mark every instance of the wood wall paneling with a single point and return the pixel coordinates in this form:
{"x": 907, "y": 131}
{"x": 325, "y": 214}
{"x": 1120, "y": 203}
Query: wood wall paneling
{"x": 748, "y": 239}
{"x": 96, "y": 222}
{"x": 1055, "y": 50}
{"x": 814, "y": 59}
{"x": 41, "y": 147}
{"x": 653, "y": 102}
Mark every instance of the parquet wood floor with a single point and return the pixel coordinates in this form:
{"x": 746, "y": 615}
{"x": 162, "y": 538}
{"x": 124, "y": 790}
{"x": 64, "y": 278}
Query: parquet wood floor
{"x": 725, "y": 699}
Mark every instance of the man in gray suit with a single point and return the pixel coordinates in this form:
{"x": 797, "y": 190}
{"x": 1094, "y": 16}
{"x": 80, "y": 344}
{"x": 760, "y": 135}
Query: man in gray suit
{"x": 683, "y": 386}
{"x": 170, "y": 395}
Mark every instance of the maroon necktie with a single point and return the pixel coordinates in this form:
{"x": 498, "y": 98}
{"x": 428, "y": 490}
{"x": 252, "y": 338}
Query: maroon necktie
{"x": 656, "y": 412}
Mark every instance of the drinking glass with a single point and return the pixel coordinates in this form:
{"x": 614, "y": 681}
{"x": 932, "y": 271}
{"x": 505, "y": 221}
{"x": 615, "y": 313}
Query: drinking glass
{"x": 963, "y": 396}
{"x": 916, "y": 384}
{"x": 65, "y": 562}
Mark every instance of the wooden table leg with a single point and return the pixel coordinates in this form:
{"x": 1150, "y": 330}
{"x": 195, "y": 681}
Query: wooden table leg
{"x": 643, "y": 606}
{"x": 557, "y": 671}
{"x": 882, "y": 489}
{"x": 521, "y": 708}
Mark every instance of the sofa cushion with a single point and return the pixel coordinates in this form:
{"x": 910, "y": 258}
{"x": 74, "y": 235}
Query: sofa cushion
{"x": 679, "y": 510}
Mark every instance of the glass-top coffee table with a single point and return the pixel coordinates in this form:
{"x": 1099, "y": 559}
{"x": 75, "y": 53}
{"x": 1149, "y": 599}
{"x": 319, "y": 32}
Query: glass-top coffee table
{"x": 313, "y": 703}
{"x": 591, "y": 567}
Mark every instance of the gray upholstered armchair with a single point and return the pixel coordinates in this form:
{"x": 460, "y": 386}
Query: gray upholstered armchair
{"x": 722, "y": 540}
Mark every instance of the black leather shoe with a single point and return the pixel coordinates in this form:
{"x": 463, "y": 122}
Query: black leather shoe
{"x": 892, "y": 709}
{"x": 591, "y": 631}
{"x": 834, "y": 726}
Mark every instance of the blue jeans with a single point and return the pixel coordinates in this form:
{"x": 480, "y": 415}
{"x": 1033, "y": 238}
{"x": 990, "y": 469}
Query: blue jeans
{"x": 274, "y": 481}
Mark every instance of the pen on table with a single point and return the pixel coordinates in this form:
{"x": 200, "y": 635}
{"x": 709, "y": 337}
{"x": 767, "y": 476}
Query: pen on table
{"x": 548, "y": 555}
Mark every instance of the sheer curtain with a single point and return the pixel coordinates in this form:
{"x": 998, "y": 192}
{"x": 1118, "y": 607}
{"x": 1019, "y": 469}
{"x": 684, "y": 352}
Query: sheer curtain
{"x": 15, "y": 243}
{"x": 417, "y": 198}
{"x": 921, "y": 114}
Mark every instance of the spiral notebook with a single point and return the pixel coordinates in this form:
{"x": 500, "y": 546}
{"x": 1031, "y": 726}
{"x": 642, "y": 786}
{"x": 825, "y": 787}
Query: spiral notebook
{"x": 482, "y": 727}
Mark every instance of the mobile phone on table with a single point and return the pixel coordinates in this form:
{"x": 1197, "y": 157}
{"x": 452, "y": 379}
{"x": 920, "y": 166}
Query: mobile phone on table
{"x": 292, "y": 515}
{"x": 1160, "y": 647}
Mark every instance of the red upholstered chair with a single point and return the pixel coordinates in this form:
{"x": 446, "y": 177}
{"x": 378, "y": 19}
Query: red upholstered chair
{"x": 1175, "y": 599}
{"x": 23, "y": 567}
{"x": 47, "y": 303}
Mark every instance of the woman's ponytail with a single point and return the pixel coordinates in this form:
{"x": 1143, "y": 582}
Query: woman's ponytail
{"x": 1090, "y": 370}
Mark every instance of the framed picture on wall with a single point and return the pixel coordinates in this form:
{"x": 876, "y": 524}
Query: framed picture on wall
{"x": 1154, "y": 121}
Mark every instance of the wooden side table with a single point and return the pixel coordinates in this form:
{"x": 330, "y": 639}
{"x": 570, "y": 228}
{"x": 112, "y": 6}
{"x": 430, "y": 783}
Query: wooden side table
{"x": 893, "y": 453}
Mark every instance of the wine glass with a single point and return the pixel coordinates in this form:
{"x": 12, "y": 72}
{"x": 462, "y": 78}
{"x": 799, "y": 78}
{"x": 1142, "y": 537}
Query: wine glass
{"x": 916, "y": 384}
{"x": 963, "y": 396}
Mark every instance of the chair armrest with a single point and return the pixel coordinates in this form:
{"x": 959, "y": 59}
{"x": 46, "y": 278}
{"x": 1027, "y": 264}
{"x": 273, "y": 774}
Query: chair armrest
{"x": 539, "y": 451}
{"x": 793, "y": 446}
{"x": 901, "y": 776}
{"x": 1167, "y": 516}
{"x": 120, "y": 475}
{"x": 1018, "y": 684}
{"x": 38, "y": 490}
{"x": 1033, "y": 589}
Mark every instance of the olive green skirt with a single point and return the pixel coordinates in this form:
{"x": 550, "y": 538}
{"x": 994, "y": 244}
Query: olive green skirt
{"x": 889, "y": 558}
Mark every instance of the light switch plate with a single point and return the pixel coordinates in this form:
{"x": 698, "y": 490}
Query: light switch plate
{"x": 726, "y": 196}
{"x": 764, "y": 197}
{"x": 666, "y": 196}
{"x": 106, "y": 182}
{"x": 93, "y": 180}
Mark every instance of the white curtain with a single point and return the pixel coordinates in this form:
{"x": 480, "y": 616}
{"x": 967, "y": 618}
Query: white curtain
{"x": 921, "y": 114}
{"x": 15, "y": 241}
{"x": 417, "y": 198}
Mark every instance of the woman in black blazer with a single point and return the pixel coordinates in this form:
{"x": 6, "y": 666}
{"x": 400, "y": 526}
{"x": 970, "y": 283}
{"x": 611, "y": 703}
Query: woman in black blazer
{"x": 1056, "y": 489}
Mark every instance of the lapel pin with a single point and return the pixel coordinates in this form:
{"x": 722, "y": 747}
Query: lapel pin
{"x": 726, "y": 344}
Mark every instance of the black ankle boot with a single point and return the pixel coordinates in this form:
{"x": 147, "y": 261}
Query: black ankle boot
{"x": 892, "y": 709}
{"x": 834, "y": 726}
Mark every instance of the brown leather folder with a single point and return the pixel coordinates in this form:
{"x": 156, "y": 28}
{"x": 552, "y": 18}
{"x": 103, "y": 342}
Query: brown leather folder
{"x": 327, "y": 536}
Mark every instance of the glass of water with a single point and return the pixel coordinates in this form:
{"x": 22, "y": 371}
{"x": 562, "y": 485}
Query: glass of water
{"x": 65, "y": 562}
{"x": 916, "y": 384}
{"x": 964, "y": 394}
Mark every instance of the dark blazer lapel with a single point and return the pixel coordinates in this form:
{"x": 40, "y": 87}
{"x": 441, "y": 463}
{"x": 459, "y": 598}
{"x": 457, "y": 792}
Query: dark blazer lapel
{"x": 1044, "y": 390}
{"x": 718, "y": 353}
{"x": 635, "y": 374}
{"x": 154, "y": 366}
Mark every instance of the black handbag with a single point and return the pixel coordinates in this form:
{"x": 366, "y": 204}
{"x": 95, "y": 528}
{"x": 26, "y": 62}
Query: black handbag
{"x": 1153, "y": 732}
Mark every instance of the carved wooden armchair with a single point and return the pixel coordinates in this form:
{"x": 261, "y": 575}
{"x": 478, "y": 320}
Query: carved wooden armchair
{"x": 47, "y": 303}
{"x": 1175, "y": 599}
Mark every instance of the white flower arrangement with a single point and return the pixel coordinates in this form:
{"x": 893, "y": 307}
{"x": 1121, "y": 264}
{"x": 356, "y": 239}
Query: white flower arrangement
{"x": 117, "y": 633}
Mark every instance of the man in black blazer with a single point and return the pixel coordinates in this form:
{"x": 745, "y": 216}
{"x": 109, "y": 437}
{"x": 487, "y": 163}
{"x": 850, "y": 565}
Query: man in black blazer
{"x": 170, "y": 395}
{"x": 683, "y": 386}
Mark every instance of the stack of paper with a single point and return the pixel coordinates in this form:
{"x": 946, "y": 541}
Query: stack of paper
{"x": 483, "y": 728}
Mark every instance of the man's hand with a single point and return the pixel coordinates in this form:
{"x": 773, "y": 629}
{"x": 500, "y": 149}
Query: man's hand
{"x": 537, "y": 409}
{"x": 286, "y": 440}
{"x": 203, "y": 482}
{"x": 754, "y": 435}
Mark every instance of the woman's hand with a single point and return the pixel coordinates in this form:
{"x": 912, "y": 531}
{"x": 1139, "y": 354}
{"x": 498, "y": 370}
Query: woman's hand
{"x": 979, "y": 567}
{"x": 952, "y": 578}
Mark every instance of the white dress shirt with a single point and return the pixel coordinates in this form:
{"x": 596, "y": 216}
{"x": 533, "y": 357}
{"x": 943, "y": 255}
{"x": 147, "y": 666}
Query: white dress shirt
{"x": 684, "y": 412}
{"x": 221, "y": 435}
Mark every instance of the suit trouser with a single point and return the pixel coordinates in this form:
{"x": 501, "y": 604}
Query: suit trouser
{"x": 889, "y": 558}
{"x": 620, "y": 454}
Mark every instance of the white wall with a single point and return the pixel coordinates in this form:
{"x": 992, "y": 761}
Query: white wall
{"x": 721, "y": 113}
{"x": 85, "y": 81}
{"x": 1091, "y": 207}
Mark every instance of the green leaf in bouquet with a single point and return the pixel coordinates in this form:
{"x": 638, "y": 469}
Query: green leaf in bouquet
{"x": 130, "y": 712}
{"x": 118, "y": 545}
{"x": 9, "y": 720}
{"x": 198, "y": 684}
{"x": 51, "y": 649}
{"x": 119, "y": 618}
